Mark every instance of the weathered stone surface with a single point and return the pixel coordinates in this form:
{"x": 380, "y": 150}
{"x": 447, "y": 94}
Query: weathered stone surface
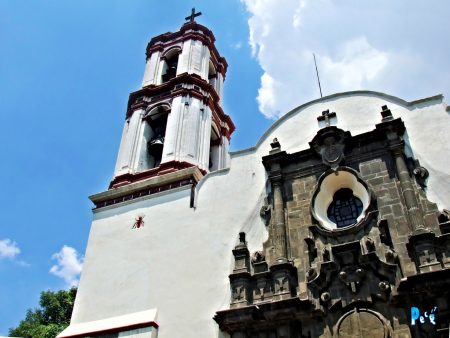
{"x": 357, "y": 280}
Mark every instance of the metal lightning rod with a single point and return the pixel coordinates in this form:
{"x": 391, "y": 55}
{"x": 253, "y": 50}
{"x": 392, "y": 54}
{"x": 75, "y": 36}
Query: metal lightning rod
{"x": 317, "y": 73}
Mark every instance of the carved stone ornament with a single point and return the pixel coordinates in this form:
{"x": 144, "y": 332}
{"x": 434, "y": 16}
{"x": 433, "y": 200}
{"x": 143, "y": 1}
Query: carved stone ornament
{"x": 265, "y": 211}
{"x": 421, "y": 174}
{"x": 352, "y": 277}
{"x": 329, "y": 144}
{"x": 258, "y": 257}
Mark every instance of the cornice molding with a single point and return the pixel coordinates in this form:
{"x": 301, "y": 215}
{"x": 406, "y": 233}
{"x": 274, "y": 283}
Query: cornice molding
{"x": 189, "y": 31}
{"x": 200, "y": 89}
{"x": 138, "y": 185}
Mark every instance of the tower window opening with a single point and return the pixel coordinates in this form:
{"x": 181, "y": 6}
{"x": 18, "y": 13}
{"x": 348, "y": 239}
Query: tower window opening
{"x": 170, "y": 67}
{"x": 212, "y": 74}
{"x": 214, "y": 147}
{"x": 155, "y": 137}
{"x": 345, "y": 208}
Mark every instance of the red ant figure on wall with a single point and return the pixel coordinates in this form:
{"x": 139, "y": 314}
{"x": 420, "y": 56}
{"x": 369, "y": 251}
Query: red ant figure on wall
{"x": 139, "y": 222}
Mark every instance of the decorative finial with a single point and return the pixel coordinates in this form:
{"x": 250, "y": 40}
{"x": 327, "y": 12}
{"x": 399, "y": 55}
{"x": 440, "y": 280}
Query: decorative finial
{"x": 386, "y": 114}
{"x": 242, "y": 243}
{"x": 193, "y": 15}
{"x": 242, "y": 237}
{"x": 275, "y": 145}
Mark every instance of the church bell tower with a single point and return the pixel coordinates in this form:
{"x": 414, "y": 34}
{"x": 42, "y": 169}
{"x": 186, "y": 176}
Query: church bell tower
{"x": 175, "y": 128}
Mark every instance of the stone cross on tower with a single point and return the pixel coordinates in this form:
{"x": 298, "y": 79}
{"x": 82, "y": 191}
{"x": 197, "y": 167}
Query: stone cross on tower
{"x": 193, "y": 15}
{"x": 326, "y": 117}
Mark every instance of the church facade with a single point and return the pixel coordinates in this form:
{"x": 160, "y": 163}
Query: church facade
{"x": 333, "y": 225}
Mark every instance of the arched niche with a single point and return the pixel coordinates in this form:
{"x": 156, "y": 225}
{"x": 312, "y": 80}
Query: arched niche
{"x": 170, "y": 64}
{"x": 153, "y": 136}
{"x": 212, "y": 74}
{"x": 214, "y": 148}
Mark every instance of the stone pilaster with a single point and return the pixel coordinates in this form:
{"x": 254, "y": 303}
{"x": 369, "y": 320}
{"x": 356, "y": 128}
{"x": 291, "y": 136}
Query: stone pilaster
{"x": 412, "y": 207}
{"x": 279, "y": 221}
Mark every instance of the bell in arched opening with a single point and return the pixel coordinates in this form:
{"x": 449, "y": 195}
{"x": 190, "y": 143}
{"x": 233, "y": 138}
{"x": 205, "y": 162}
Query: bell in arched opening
{"x": 157, "y": 122}
{"x": 171, "y": 65}
{"x": 155, "y": 148}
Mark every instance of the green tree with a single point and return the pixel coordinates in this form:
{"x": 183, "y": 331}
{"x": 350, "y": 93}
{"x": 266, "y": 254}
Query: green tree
{"x": 50, "y": 318}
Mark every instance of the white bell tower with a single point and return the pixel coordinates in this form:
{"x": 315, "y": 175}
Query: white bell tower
{"x": 175, "y": 121}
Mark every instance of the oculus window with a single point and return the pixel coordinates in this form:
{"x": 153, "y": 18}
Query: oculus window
{"x": 341, "y": 199}
{"x": 345, "y": 208}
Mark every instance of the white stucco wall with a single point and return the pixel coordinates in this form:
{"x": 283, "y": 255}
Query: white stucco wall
{"x": 179, "y": 261}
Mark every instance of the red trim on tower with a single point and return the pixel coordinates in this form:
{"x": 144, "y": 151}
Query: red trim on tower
{"x": 174, "y": 87}
{"x": 193, "y": 31}
{"x": 164, "y": 168}
{"x": 147, "y": 191}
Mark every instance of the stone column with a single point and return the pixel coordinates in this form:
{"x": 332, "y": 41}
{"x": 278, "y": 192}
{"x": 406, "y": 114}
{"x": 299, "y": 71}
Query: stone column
{"x": 414, "y": 212}
{"x": 279, "y": 225}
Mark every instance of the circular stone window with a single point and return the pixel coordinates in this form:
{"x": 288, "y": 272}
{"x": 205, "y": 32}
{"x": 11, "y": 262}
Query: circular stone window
{"x": 341, "y": 199}
{"x": 345, "y": 208}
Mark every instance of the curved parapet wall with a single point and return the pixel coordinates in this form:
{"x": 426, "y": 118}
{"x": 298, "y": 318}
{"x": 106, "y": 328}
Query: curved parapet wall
{"x": 359, "y": 111}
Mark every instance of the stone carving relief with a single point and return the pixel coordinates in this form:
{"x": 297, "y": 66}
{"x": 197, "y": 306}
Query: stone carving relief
{"x": 329, "y": 144}
{"x": 266, "y": 211}
{"x": 318, "y": 278}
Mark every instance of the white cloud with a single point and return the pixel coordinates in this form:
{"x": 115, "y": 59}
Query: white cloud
{"x": 266, "y": 99}
{"x": 358, "y": 64}
{"x": 237, "y": 45}
{"x": 68, "y": 266}
{"x": 297, "y": 19}
{"x": 358, "y": 45}
{"x": 8, "y": 249}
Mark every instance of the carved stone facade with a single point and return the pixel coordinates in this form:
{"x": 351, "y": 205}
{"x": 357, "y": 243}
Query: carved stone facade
{"x": 353, "y": 244}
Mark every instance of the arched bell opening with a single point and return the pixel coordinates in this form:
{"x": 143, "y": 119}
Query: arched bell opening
{"x": 155, "y": 122}
{"x": 170, "y": 65}
{"x": 212, "y": 74}
{"x": 214, "y": 149}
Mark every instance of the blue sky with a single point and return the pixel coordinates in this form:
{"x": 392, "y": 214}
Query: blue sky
{"x": 67, "y": 67}
{"x": 66, "y": 70}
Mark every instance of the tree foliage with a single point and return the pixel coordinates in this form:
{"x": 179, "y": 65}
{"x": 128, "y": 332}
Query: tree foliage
{"x": 50, "y": 318}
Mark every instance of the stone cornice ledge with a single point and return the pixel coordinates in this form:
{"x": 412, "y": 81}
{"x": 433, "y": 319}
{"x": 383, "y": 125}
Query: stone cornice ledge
{"x": 191, "y": 172}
